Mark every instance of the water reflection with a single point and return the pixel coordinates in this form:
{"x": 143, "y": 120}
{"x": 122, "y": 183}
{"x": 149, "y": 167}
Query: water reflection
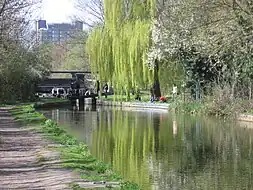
{"x": 165, "y": 151}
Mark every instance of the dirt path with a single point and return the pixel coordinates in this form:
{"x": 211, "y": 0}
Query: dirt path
{"x": 26, "y": 162}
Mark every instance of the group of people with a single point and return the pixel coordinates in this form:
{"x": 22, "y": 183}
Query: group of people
{"x": 162, "y": 98}
{"x": 137, "y": 92}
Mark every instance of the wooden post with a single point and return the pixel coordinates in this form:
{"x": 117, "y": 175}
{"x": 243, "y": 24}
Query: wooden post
{"x": 93, "y": 101}
{"x": 250, "y": 89}
{"x": 81, "y": 103}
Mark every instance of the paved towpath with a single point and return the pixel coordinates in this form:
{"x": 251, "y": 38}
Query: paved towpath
{"x": 27, "y": 163}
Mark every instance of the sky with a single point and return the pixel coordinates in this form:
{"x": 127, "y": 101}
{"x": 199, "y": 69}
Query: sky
{"x": 57, "y": 11}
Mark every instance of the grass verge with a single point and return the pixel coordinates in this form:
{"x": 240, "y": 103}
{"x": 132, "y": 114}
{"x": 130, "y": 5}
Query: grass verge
{"x": 74, "y": 155}
{"x": 188, "y": 107}
{"x": 37, "y": 102}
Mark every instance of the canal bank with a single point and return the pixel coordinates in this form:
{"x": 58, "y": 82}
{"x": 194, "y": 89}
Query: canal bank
{"x": 246, "y": 117}
{"x": 124, "y": 104}
{"x": 160, "y": 106}
{"x": 55, "y": 102}
{"x": 144, "y": 105}
{"x": 34, "y": 146}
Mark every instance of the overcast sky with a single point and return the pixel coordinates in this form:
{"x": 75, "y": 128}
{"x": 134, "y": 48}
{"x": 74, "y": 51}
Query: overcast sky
{"x": 55, "y": 11}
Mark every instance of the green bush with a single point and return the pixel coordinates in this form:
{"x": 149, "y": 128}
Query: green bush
{"x": 129, "y": 186}
{"x": 191, "y": 107}
{"x": 223, "y": 104}
{"x": 21, "y": 69}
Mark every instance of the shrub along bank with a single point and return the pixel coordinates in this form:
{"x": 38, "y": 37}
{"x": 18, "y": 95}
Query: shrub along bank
{"x": 220, "y": 107}
{"x": 230, "y": 109}
{"x": 74, "y": 155}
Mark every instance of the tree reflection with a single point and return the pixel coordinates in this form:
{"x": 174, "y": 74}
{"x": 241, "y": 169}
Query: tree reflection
{"x": 156, "y": 127}
{"x": 177, "y": 152}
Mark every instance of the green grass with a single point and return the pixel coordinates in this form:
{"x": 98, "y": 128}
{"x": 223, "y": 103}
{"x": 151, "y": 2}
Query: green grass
{"x": 50, "y": 102}
{"x": 77, "y": 187}
{"x": 52, "y": 99}
{"x": 39, "y": 101}
{"x": 188, "y": 107}
{"x": 250, "y": 111}
{"x": 74, "y": 155}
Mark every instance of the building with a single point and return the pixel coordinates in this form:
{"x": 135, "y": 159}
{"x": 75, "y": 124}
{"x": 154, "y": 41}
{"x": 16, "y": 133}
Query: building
{"x": 59, "y": 32}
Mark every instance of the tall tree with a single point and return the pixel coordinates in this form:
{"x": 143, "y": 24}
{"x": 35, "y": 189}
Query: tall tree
{"x": 118, "y": 49}
{"x": 91, "y": 12}
{"x": 220, "y": 31}
{"x": 20, "y": 67}
{"x": 71, "y": 54}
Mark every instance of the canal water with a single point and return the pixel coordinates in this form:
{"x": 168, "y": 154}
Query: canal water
{"x": 160, "y": 150}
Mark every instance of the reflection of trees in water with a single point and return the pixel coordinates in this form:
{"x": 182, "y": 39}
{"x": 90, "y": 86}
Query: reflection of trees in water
{"x": 215, "y": 156}
{"x": 93, "y": 107}
{"x": 75, "y": 116}
{"x": 197, "y": 150}
{"x": 156, "y": 126}
{"x": 203, "y": 153}
{"x": 121, "y": 144}
{"x": 103, "y": 143}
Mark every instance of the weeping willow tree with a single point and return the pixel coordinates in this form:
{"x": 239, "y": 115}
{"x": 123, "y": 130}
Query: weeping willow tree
{"x": 118, "y": 49}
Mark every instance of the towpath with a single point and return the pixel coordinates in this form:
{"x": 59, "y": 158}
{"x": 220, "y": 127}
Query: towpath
{"x": 26, "y": 162}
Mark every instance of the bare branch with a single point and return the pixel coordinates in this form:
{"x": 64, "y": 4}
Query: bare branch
{"x": 90, "y": 12}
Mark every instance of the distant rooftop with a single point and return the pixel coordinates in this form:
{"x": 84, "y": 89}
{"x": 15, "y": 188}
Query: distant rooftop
{"x": 60, "y": 32}
{"x": 69, "y": 23}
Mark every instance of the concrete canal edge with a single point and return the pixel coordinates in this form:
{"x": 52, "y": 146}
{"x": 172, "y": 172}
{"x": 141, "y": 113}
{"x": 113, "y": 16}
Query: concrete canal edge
{"x": 245, "y": 117}
{"x": 30, "y": 160}
{"x": 144, "y": 105}
{"x": 99, "y": 102}
{"x": 52, "y": 104}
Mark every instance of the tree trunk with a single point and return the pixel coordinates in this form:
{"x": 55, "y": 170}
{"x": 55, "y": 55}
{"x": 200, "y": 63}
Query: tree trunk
{"x": 233, "y": 89}
{"x": 157, "y": 90}
{"x": 250, "y": 90}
